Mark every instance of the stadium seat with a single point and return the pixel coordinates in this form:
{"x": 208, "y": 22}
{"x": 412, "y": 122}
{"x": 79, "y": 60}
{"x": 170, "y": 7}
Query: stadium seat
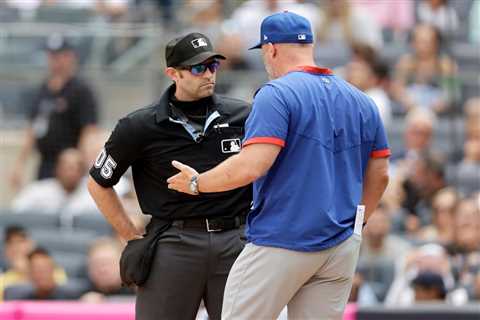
{"x": 93, "y": 222}
{"x": 467, "y": 55}
{"x": 62, "y": 15}
{"x": 448, "y": 135}
{"x": 74, "y": 264}
{"x": 9, "y": 14}
{"x": 471, "y": 89}
{"x": 63, "y": 241}
{"x": 29, "y": 220}
{"x": 19, "y": 292}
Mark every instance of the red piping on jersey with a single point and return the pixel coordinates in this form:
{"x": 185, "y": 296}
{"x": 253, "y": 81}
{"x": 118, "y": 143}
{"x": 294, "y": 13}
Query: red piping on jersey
{"x": 268, "y": 140}
{"x": 380, "y": 153}
{"x": 314, "y": 69}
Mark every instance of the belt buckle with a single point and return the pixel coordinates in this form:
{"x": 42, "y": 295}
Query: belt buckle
{"x": 211, "y": 229}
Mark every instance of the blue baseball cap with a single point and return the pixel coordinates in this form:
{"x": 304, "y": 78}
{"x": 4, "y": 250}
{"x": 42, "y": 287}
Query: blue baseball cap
{"x": 285, "y": 27}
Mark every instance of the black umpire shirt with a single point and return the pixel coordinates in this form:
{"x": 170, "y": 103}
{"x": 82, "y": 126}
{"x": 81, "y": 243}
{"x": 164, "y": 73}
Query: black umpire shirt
{"x": 150, "y": 138}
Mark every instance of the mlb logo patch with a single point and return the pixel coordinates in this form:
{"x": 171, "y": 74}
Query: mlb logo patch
{"x": 302, "y": 37}
{"x": 231, "y": 145}
{"x": 200, "y": 42}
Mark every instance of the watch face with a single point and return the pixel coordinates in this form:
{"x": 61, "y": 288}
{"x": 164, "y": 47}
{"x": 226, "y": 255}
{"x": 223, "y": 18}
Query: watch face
{"x": 194, "y": 184}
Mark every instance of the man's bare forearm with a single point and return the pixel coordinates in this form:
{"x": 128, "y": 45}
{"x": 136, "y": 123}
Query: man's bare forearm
{"x": 237, "y": 171}
{"x": 109, "y": 204}
{"x": 375, "y": 183}
{"x": 230, "y": 174}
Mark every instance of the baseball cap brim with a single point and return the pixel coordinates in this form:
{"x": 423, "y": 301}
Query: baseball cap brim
{"x": 199, "y": 58}
{"x": 58, "y": 50}
{"x": 258, "y": 46}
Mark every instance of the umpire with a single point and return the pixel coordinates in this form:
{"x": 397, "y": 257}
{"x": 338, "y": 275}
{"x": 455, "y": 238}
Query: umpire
{"x": 204, "y": 234}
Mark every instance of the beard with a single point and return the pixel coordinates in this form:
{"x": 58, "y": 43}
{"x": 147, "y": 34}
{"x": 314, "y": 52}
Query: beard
{"x": 205, "y": 91}
{"x": 270, "y": 73}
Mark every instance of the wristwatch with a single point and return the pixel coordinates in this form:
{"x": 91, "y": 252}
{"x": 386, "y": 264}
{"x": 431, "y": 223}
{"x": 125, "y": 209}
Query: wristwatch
{"x": 193, "y": 185}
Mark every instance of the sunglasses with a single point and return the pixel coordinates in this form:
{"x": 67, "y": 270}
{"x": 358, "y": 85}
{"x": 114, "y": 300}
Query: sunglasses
{"x": 200, "y": 69}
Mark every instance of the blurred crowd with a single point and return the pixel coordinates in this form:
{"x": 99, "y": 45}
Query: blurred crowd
{"x": 33, "y": 274}
{"x": 422, "y": 243}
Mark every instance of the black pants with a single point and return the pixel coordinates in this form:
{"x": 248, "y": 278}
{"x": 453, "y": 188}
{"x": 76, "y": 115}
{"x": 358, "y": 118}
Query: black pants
{"x": 189, "y": 265}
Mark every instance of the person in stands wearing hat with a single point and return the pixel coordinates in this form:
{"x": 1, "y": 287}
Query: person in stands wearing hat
{"x": 429, "y": 286}
{"x": 316, "y": 150}
{"x": 204, "y": 234}
{"x": 62, "y": 113}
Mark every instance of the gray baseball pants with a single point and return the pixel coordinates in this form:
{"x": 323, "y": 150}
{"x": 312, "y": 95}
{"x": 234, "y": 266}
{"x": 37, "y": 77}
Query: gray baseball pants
{"x": 313, "y": 285}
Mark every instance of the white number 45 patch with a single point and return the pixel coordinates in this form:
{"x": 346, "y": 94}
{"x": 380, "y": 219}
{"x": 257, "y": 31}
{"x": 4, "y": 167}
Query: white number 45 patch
{"x": 107, "y": 164}
{"x": 231, "y": 145}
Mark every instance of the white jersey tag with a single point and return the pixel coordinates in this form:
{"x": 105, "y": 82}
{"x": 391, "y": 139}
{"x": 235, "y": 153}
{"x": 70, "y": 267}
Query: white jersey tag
{"x": 357, "y": 229}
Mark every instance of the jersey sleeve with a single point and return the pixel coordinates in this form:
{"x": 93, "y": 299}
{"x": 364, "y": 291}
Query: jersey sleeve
{"x": 380, "y": 144}
{"x": 120, "y": 151}
{"x": 268, "y": 121}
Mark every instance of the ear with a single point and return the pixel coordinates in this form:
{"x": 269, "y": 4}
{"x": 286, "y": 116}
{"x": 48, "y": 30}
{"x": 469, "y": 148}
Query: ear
{"x": 172, "y": 73}
{"x": 269, "y": 50}
{"x": 273, "y": 50}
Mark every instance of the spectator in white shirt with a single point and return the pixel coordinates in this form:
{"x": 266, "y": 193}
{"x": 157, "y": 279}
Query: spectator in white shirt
{"x": 439, "y": 14}
{"x": 65, "y": 194}
{"x": 370, "y": 75}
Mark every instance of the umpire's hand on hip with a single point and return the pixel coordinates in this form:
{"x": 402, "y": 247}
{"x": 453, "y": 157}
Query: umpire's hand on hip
{"x": 181, "y": 182}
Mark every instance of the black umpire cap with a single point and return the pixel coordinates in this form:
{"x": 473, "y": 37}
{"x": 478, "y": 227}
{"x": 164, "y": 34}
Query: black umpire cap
{"x": 189, "y": 50}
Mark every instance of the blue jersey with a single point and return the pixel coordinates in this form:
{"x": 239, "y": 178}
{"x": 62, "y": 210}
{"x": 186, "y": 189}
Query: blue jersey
{"x": 328, "y": 130}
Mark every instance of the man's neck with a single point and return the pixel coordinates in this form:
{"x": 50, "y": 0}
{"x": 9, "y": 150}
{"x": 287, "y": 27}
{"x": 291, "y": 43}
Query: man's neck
{"x": 296, "y": 66}
{"x": 56, "y": 82}
{"x": 184, "y": 97}
{"x": 195, "y": 109}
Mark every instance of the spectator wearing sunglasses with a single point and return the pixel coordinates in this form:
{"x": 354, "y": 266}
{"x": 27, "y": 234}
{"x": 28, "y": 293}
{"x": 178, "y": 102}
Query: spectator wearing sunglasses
{"x": 202, "y": 235}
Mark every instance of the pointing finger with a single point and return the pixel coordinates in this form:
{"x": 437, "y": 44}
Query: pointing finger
{"x": 177, "y": 164}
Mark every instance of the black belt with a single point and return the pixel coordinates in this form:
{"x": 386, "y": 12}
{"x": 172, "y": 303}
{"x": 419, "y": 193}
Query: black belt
{"x": 211, "y": 224}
